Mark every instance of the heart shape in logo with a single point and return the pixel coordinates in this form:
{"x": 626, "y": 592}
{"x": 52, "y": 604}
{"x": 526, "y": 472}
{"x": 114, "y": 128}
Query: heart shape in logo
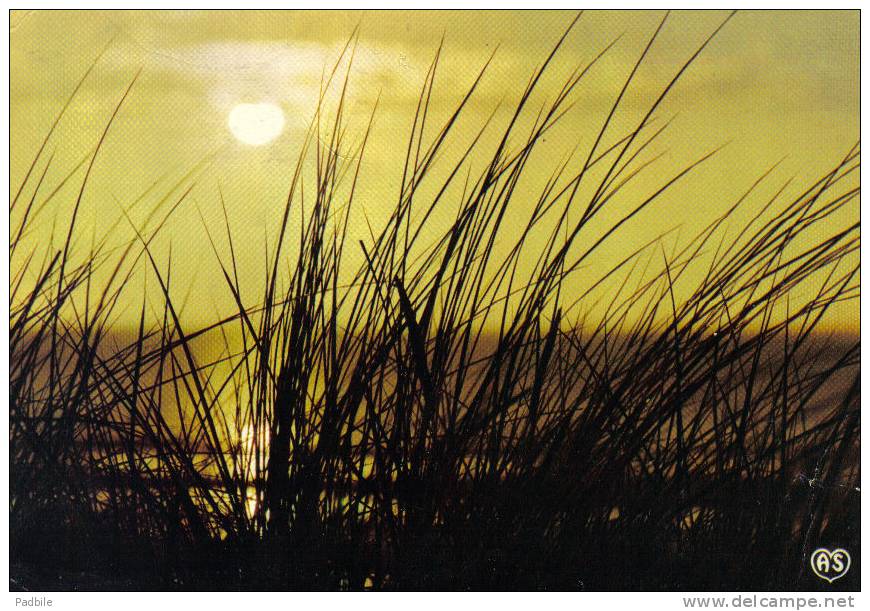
{"x": 830, "y": 564}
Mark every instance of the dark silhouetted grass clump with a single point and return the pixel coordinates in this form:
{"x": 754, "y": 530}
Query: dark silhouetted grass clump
{"x": 429, "y": 408}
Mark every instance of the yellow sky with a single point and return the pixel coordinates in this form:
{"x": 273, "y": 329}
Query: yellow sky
{"x": 773, "y": 85}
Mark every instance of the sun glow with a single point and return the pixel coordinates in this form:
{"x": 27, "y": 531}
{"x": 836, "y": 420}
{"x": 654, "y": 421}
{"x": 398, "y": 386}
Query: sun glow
{"x": 256, "y": 124}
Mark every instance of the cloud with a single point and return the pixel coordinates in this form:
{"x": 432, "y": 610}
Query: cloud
{"x": 290, "y": 73}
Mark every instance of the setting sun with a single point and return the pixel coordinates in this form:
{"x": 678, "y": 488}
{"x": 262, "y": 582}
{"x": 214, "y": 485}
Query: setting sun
{"x": 256, "y": 124}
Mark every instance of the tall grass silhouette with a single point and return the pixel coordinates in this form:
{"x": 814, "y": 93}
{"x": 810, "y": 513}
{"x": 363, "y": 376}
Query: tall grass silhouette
{"x": 445, "y": 418}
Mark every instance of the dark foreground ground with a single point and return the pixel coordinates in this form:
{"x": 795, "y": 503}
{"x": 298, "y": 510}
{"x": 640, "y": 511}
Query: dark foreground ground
{"x": 715, "y": 553}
